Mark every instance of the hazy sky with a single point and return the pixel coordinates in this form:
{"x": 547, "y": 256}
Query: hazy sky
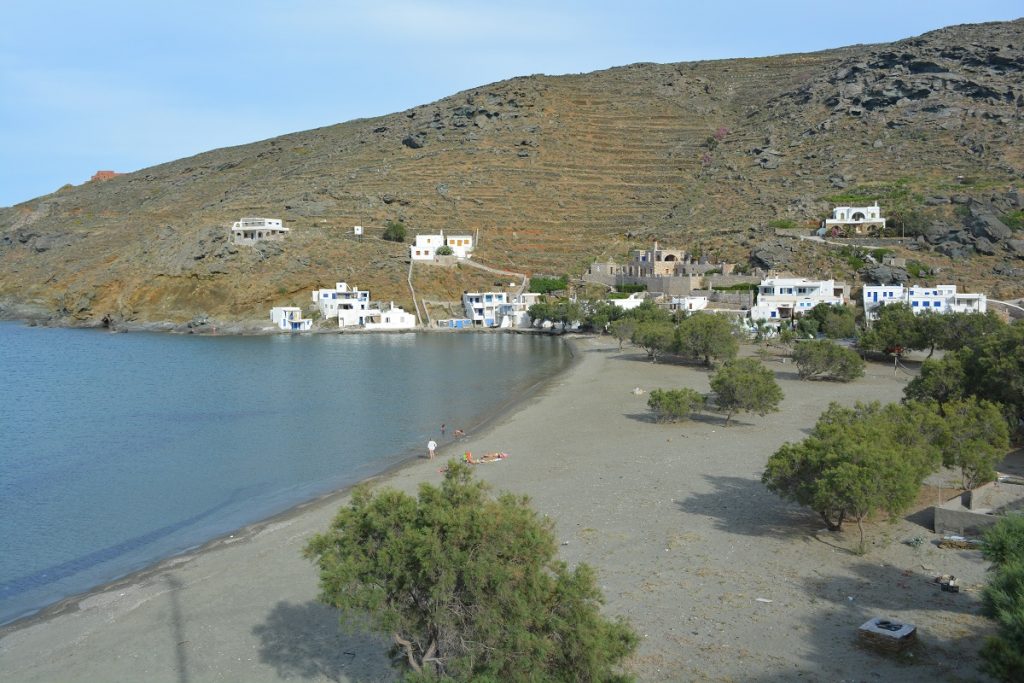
{"x": 111, "y": 84}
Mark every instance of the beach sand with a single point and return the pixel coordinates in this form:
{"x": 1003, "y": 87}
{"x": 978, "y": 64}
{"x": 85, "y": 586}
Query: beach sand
{"x": 722, "y": 580}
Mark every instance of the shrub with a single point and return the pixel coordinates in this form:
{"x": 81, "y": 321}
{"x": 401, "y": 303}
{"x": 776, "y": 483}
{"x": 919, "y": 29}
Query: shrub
{"x": 444, "y": 250}
{"x": 744, "y": 385}
{"x": 394, "y": 231}
{"x": 782, "y": 223}
{"x": 827, "y": 360}
{"x": 546, "y": 285}
{"x": 671, "y": 405}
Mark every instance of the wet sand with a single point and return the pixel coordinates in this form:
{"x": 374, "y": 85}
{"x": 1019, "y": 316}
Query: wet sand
{"x": 722, "y": 580}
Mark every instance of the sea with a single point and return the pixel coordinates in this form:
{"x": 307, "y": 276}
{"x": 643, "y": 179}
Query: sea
{"x": 120, "y": 450}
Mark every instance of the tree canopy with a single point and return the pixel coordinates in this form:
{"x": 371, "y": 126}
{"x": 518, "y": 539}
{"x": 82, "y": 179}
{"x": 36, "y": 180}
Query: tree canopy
{"x": 1002, "y": 599}
{"x": 706, "y": 336}
{"x": 825, "y": 359}
{"x": 670, "y": 405}
{"x": 394, "y": 231}
{"x": 857, "y": 461}
{"x": 745, "y": 385}
{"x": 467, "y": 586}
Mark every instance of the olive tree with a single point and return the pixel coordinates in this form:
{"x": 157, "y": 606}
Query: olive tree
{"x": 467, "y": 586}
{"x": 1003, "y": 599}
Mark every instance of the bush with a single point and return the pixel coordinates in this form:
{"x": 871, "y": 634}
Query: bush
{"x": 782, "y": 223}
{"x": 394, "y": 231}
{"x": 825, "y": 359}
{"x": 745, "y": 385}
{"x": 1003, "y": 542}
{"x": 671, "y": 405}
{"x": 467, "y": 586}
{"x": 546, "y": 285}
{"x": 444, "y": 250}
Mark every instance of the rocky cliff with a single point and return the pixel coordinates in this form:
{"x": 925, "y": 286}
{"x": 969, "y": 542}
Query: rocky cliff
{"x": 551, "y": 172}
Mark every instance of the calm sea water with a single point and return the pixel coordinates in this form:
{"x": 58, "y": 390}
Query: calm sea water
{"x": 117, "y": 450}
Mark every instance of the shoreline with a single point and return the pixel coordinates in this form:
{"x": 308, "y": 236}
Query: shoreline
{"x": 721, "y": 579}
{"x": 70, "y": 603}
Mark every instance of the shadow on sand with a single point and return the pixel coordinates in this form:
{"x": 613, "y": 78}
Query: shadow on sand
{"x": 306, "y": 641}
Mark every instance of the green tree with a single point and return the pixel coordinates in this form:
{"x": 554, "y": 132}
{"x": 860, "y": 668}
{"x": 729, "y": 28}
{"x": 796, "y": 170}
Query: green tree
{"x": 896, "y": 329}
{"x": 542, "y": 310}
{"x": 1003, "y": 542}
{"x": 671, "y": 405}
{"x": 976, "y": 438}
{"x": 467, "y": 586}
{"x": 649, "y": 312}
{"x": 600, "y": 315}
{"x": 622, "y": 329}
{"x": 940, "y": 381}
{"x": 745, "y": 385}
{"x": 654, "y": 337}
{"x": 965, "y": 329}
{"x": 835, "y": 322}
{"x": 855, "y": 462}
{"x": 1002, "y": 599}
{"x": 546, "y": 285}
{"x": 706, "y": 336}
{"x": 823, "y": 358}
{"x": 443, "y": 250}
{"x": 394, "y": 231}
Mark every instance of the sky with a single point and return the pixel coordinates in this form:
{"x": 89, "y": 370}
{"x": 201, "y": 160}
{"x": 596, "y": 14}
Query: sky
{"x": 112, "y": 84}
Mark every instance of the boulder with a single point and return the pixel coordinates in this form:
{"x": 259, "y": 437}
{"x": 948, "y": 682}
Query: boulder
{"x": 983, "y": 246}
{"x": 955, "y": 251}
{"x": 885, "y": 275}
{"x": 413, "y": 141}
{"x": 1015, "y": 247}
{"x": 983, "y": 223}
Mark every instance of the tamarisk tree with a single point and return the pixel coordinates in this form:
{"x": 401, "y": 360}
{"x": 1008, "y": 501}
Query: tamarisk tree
{"x": 467, "y": 586}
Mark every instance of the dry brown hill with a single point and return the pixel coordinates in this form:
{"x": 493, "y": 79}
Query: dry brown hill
{"x": 552, "y": 171}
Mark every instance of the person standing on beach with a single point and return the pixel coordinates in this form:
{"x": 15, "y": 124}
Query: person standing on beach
{"x": 431, "y": 445}
{"x": 442, "y": 429}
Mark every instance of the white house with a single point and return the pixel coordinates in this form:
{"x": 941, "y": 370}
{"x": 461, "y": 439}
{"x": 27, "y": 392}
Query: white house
{"x": 424, "y": 247}
{"x": 290, "y": 318}
{"x": 629, "y": 303}
{"x": 854, "y": 220}
{"x": 688, "y": 303}
{"x": 515, "y": 313}
{"x": 348, "y": 304}
{"x": 390, "y": 318}
{"x": 253, "y": 230}
{"x": 920, "y": 298}
{"x": 483, "y": 307}
{"x": 781, "y": 299}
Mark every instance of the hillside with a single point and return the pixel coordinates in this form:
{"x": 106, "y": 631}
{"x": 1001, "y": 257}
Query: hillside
{"x": 553, "y": 171}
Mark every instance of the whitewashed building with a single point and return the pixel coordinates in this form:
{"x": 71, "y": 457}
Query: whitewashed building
{"x": 854, "y": 220}
{"x": 290, "y": 318}
{"x": 390, "y": 318}
{"x": 483, "y": 308}
{"x": 920, "y": 298}
{"x": 253, "y": 230}
{"x": 424, "y": 247}
{"x": 516, "y": 312}
{"x": 348, "y": 304}
{"x": 688, "y": 303}
{"x": 629, "y": 303}
{"x": 780, "y": 299}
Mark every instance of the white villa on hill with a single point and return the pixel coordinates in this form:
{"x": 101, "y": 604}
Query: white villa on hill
{"x": 937, "y": 299}
{"x": 781, "y": 299}
{"x": 854, "y": 221}
{"x": 483, "y": 307}
{"x": 253, "y": 230}
{"x": 424, "y": 247}
{"x": 290, "y": 318}
{"x": 348, "y": 304}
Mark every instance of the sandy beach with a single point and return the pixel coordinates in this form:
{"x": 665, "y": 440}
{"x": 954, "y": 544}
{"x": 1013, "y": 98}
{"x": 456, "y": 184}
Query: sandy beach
{"x": 722, "y": 580}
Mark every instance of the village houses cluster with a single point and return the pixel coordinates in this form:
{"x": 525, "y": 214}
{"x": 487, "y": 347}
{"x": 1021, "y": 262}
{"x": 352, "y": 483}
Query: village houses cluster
{"x": 677, "y": 279}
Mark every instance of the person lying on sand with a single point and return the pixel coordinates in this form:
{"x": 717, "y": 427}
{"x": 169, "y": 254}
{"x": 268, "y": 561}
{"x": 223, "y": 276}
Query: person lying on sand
{"x": 458, "y": 433}
{"x": 487, "y": 457}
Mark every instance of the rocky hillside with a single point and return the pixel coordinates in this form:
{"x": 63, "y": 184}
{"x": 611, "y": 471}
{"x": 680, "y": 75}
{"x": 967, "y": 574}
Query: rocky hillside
{"x": 552, "y": 172}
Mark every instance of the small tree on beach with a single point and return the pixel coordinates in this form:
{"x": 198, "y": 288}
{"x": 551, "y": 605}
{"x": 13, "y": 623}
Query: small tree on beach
{"x": 975, "y": 439}
{"x": 825, "y": 359}
{"x": 671, "y": 405}
{"x": 656, "y": 338}
{"x": 745, "y": 385}
{"x": 706, "y": 336}
{"x": 622, "y": 329}
{"x": 467, "y": 586}
{"x": 857, "y": 461}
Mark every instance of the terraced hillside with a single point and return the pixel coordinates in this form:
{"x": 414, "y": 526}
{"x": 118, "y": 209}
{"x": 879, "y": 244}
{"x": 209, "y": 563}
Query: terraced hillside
{"x": 549, "y": 172}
